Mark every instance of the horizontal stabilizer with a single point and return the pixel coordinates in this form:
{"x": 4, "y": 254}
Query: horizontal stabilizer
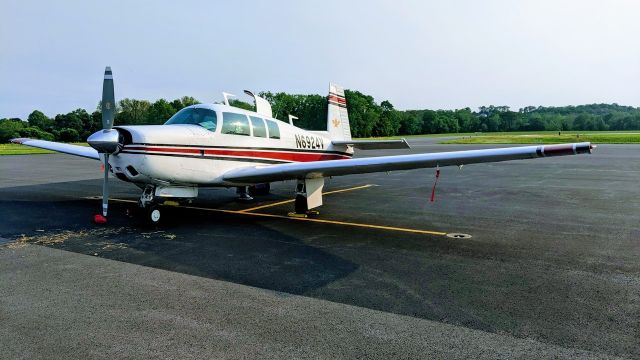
{"x": 374, "y": 144}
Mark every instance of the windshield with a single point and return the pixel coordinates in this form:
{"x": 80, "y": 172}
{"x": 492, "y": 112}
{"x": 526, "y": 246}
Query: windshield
{"x": 195, "y": 116}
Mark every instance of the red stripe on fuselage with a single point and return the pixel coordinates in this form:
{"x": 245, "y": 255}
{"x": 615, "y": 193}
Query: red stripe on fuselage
{"x": 254, "y": 154}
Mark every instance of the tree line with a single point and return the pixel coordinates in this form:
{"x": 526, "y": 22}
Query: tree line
{"x": 368, "y": 118}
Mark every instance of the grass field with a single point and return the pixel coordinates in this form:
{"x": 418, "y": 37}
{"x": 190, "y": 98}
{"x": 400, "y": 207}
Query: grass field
{"x": 17, "y": 149}
{"x": 550, "y": 138}
{"x": 532, "y": 137}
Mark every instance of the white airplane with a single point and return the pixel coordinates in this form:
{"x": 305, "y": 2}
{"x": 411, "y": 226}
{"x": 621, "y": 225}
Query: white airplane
{"x": 217, "y": 145}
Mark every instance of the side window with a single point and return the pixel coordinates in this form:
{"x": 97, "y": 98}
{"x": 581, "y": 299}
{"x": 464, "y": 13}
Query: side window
{"x": 274, "y": 131}
{"x": 259, "y": 129}
{"x": 236, "y": 124}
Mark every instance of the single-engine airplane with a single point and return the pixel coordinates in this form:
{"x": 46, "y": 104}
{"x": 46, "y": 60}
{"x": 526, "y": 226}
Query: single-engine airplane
{"x": 209, "y": 145}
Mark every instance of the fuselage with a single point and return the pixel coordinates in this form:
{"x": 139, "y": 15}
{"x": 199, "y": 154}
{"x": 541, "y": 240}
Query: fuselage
{"x": 202, "y": 142}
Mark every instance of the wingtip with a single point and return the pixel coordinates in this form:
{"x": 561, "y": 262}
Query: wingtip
{"x": 18, "y": 140}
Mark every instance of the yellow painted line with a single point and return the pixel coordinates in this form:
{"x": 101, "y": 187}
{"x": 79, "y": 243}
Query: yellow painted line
{"x": 345, "y": 223}
{"x": 267, "y": 205}
{"x": 292, "y": 200}
{"x": 321, "y": 221}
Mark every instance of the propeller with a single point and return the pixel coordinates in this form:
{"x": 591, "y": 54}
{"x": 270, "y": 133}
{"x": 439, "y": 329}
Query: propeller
{"x": 105, "y": 141}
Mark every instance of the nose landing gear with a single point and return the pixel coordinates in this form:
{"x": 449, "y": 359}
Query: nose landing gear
{"x": 149, "y": 207}
{"x": 153, "y": 196}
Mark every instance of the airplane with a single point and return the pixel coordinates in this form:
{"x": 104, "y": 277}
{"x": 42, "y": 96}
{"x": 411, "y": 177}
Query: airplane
{"x": 217, "y": 145}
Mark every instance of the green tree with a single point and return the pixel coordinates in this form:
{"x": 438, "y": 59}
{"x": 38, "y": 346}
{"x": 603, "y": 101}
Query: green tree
{"x": 410, "y": 123}
{"x": 241, "y": 104}
{"x": 536, "y": 123}
{"x": 429, "y": 119}
{"x": 36, "y": 133}
{"x": 93, "y": 124}
{"x": 363, "y": 113}
{"x": 132, "y": 111}
{"x": 388, "y": 122}
{"x": 77, "y": 120}
{"x": 40, "y": 120}
{"x": 10, "y": 128}
{"x": 467, "y": 120}
{"x": 311, "y": 110}
{"x": 183, "y": 102}
{"x": 511, "y": 120}
{"x": 159, "y": 112}
{"x": 68, "y": 135}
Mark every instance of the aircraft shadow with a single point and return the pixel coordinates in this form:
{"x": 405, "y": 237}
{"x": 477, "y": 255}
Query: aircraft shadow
{"x": 227, "y": 247}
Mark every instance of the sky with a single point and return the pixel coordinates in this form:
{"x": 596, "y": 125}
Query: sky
{"x": 416, "y": 54}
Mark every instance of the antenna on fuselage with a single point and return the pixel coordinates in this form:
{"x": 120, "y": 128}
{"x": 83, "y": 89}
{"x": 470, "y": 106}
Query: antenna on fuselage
{"x": 291, "y": 118}
{"x": 226, "y": 97}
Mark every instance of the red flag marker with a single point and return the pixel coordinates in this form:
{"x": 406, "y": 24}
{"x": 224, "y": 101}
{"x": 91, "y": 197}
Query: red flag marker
{"x": 433, "y": 191}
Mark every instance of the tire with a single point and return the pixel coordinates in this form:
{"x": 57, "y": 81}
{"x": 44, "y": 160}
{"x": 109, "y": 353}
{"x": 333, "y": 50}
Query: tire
{"x": 300, "y": 205}
{"x": 260, "y": 189}
{"x": 153, "y": 215}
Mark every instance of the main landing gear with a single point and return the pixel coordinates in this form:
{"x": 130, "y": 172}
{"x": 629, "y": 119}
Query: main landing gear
{"x": 246, "y": 193}
{"x": 243, "y": 193}
{"x": 308, "y": 196}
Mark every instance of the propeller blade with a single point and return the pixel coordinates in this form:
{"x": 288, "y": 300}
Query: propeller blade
{"x": 105, "y": 186}
{"x": 108, "y": 100}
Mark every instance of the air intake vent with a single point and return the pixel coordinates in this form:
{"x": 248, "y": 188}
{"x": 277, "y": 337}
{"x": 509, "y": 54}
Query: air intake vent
{"x": 132, "y": 171}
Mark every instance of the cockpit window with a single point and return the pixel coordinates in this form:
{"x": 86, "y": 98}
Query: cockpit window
{"x": 195, "y": 116}
{"x": 236, "y": 124}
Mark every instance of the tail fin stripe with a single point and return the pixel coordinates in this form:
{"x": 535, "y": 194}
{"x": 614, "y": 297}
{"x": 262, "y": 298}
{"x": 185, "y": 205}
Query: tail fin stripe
{"x": 337, "y": 116}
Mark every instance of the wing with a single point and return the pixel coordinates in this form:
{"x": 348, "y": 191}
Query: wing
{"x": 77, "y": 150}
{"x": 374, "y": 144}
{"x": 315, "y": 169}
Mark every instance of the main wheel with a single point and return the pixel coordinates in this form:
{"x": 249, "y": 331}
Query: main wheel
{"x": 300, "y": 205}
{"x": 153, "y": 215}
{"x": 260, "y": 189}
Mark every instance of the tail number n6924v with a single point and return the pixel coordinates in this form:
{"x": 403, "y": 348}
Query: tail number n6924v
{"x": 309, "y": 142}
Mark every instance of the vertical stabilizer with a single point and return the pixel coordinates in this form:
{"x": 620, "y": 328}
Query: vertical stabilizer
{"x": 337, "y": 117}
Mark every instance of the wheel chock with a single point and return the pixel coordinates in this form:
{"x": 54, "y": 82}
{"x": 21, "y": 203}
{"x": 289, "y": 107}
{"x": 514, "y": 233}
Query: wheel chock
{"x": 296, "y": 215}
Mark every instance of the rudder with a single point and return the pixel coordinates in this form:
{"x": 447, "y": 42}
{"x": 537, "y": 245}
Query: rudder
{"x": 337, "y": 117}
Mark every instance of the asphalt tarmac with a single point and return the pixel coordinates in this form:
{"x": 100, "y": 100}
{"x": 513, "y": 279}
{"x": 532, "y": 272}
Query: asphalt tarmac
{"x": 552, "y": 268}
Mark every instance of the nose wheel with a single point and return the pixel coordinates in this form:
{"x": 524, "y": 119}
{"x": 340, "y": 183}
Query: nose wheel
{"x": 153, "y": 214}
{"x": 150, "y": 209}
